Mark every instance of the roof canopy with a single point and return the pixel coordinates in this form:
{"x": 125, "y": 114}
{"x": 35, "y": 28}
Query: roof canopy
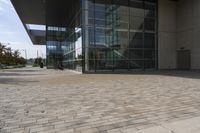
{"x": 45, "y": 12}
{"x": 32, "y": 12}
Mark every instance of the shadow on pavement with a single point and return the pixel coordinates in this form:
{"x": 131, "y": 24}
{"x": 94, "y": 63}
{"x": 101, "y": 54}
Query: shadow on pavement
{"x": 17, "y": 74}
{"x": 21, "y": 70}
{"x": 193, "y": 74}
{"x": 14, "y": 81}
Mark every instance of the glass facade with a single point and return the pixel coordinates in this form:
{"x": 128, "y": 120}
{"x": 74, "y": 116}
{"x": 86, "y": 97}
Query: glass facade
{"x": 55, "y": 46}
{"x": 64, "y": 43}
{"x": 106, "y": 35}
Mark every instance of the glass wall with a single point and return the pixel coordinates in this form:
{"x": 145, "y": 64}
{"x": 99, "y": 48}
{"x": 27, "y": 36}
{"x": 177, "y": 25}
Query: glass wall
{"x": 104, "y": 35}
{"x": 119, "y": 34}
{"x": 55, "y": 46}
{"x": 64, "y": 43}
{"x": 64, "y": 48}
{"x": 73, "y": 51}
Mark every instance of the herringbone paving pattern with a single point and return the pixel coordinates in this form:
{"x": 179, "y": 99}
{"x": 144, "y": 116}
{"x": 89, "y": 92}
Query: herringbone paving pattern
{"x": 48, "y": 101}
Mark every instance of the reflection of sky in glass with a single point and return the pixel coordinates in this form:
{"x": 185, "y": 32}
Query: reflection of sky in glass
{"x": 36, "y": 27}
{"x": 78, "y": 43}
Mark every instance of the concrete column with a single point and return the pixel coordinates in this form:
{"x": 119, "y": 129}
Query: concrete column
{"x": 188, "y": 29}
{"x": 86, "y": 34}
{"x": 166, "y": 34}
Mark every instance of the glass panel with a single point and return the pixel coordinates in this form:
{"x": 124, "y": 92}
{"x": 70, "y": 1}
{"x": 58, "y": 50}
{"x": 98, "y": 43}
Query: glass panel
{"x": 91, "y": 39}
{"x": 104, "y": 64}
{"x": 91, "y": 64}
{"x": 121, "y": 64}
{"x": 64, "y": 44}
{"x": 104, "y": 54}
{"x": 121, "y": 54}
{"x": 136, "y": 64}
{"x": 121, "y": 34}
{"x": 149, "y": 54}
{"x": 149, "y": 64}
{"x": 137, "y": 23}
{"x": 120, "y": 39}
{"x": 136, "y": 54}
{"x": 149, "y": 24}
{"x": 136, "y": 40}
{"x": 149, "y": 40}
{"x": 152, "y": 1}
{"x": 136, "y": 8}
{"x": 150, "y": 9}
{"x": 90, "y": 4}
{"x": 100, "y": 37}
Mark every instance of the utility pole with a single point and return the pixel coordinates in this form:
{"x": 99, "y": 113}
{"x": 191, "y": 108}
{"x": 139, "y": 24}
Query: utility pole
{"x": 25, "y": 54}
{"x": 37, "y": 54}
{"x": 42, "y": 54}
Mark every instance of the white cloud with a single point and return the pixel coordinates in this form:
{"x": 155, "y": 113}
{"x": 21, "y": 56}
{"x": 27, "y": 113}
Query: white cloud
{"x": 7, "y": 32}
{"x": 2, "y": 26}
{"x": 7, "y": 2}
{"x": 4, "y": 4}
{"x": 1, "y": 7}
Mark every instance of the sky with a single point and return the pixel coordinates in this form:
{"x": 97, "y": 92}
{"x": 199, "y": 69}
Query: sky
{"x": 13, "y": 33}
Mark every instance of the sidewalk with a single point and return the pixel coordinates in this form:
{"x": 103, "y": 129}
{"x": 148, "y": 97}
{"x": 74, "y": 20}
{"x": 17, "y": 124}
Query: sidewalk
{"x": 186, "y": 126}
{"x": 34, "y": 100}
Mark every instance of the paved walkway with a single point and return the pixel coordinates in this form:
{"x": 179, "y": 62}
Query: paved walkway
{"x": 185, "y": 126}
{"x": 46, "y": 101}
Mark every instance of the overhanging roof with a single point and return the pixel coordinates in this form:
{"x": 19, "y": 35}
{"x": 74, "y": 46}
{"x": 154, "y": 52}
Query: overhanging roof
{"x": 32, "y": 12}
{"x": 45, "y": 12}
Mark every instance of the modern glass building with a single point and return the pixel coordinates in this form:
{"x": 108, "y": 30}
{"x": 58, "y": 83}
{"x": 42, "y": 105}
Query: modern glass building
{"x": 110, "y": 35}
{"x": 119, "y": 34}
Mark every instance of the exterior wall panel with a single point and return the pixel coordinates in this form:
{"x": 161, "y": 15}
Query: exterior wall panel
{"x": 188, "y": 29}
{"x": 166, "y": 34}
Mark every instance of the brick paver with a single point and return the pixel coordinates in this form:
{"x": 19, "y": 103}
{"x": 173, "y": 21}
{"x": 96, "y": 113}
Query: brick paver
{"x": 49, "y": 101}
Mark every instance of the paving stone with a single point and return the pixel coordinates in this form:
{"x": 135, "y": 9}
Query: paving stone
{"x": 40, "y": 100}
{"x": 90, "y": 130}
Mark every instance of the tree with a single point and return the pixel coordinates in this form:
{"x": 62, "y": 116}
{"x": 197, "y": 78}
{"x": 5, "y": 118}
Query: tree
{"x": 2, "y": 52}
{"x": 10, "y": 57}
{"x": 2, "y": 49}
{"x": 38, "y": 61}
{"x": 16, "y": 55}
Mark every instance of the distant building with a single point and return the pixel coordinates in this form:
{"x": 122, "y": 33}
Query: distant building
{"x": 115, "y": 35}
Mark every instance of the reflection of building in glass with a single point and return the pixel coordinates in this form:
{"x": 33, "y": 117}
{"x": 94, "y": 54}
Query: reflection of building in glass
{"x": 96, "y": 35}
{"x": 114, "y": 35}
{"x": 120, "y": 34}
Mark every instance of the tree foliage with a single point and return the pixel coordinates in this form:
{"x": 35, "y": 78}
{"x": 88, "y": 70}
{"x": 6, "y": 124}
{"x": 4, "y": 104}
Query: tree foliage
{"x": 10, "y": 57}
{"x": 38, "y": 61}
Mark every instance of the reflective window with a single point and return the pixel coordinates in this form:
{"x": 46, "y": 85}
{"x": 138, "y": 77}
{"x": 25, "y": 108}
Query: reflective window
{"x": 137, "y": 54}
{"x": 149, "y": 40}
{"x": 121, "y": 34}
{"x": 136, "y": 40}
{"x": 111, "y": 35}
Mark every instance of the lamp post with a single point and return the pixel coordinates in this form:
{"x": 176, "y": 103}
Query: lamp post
{"x": 25, "y": 51}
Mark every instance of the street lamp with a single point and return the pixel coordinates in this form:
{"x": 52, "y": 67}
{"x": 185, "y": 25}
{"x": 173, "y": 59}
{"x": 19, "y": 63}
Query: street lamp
{"x": 25, "y": 53}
